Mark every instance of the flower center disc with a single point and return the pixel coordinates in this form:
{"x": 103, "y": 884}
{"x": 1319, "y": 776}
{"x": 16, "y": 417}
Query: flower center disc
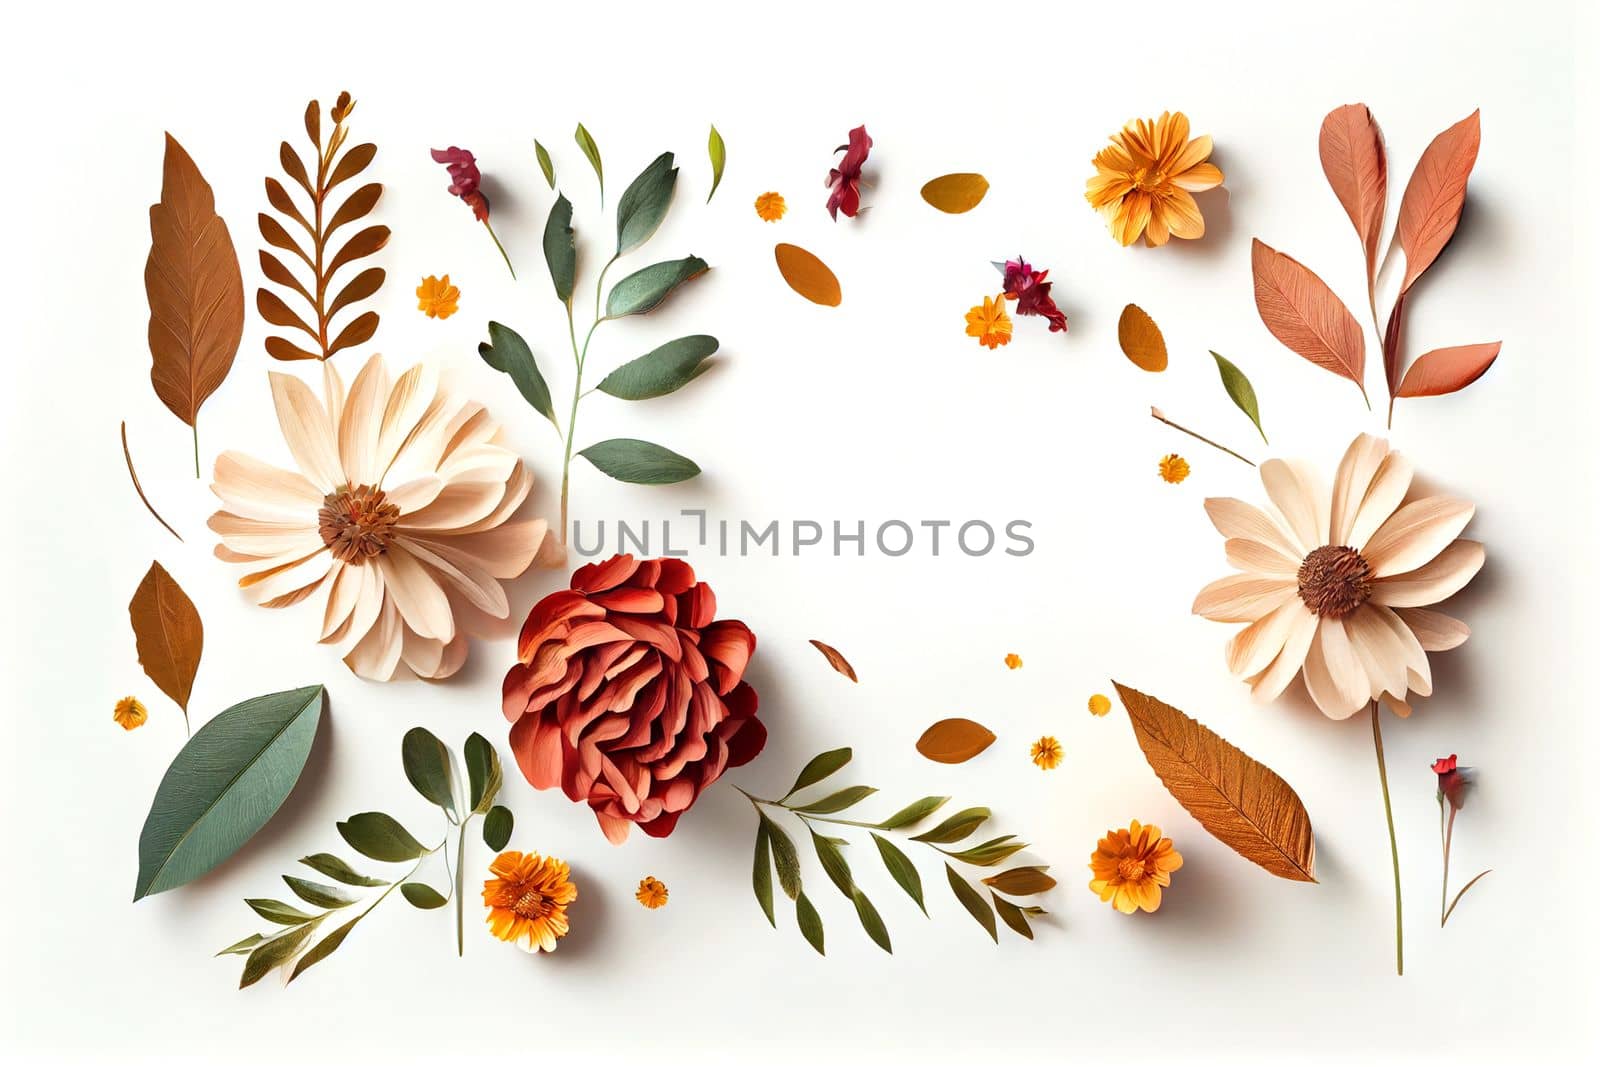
{"x": 357, "y": 524}
{"x": 1130, "y": 870}
{"x": 1335, "y": 580}
{"x": 531, "y": 905}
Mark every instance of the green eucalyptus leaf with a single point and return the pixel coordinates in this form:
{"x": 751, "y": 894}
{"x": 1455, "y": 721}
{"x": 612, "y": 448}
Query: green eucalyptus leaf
{"x": 508, "y": 353}
{"x": 784, "y": 858}
{"x": 324, "y": 948}
{"x": 332, "y": 866}
{"x": 242, "y": 948}
{"x": 973, "y": 901}
{"x": 820, "y": 767}
{"x": 719, "y": 159}
{"x": 545, "y": 165}
{"x": 955, "y": 827}
{"x": 902, "y": 870}
{"x": 646, "y": 288}
{"x": 1012, "y": 915}
{"x": 761, "y": 872}
{"x": 421, "y": 895}
{"x": 379, "y": 837}
{"x": 644, "y": 203}
{"x": 427, "y": 766}
{"x": 913, "y": 813}
{"x": 990, "y": 852}
{"x": 628, "y": 459}
{"x": 223, "y": 786}
{"x": 560, "y": 250}
{"x": 484, "y": 776}
{"x": 839, "y": 801}
{"x": 834, "y": 865}
{"x": 1240, "y": 391}
{"x": 274, "y": 953}
{"x": 662, "y": 370}
{"x": 809, "y": 921}
{"x": 317, "y": 894}
{"x": 276, "y": 911}
{"x": 871, "y": 921}
{"x": 591, "y": 152}
{"x": 497, "y": 827}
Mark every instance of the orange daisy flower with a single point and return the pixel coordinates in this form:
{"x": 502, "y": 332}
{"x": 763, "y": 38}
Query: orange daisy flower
{"x": 1099, "y": 704}
{"x": 1046, "y": 753}
{"x": 652, "y": 893}
{"x": 436, "y": 297}
{"x": 1174, "y": 468}
{"x": 1144, "y": 178}
{"x": 527, "y": 900}
{"x": 130, "y": 714}
{"x": 1132, "y": 866}
{"x": 770, "y": 207}
{"x": 989, "y": 323}
{"x": 1013, "y": 660}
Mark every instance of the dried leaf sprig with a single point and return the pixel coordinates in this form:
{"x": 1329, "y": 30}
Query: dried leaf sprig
{"x": 429, "y": 766}
{"x": 1455, "y": 782}
{"x": 775, "y": 851}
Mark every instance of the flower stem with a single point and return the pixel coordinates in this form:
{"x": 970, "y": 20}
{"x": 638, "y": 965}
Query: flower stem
{"x": 1394, "y": 849}
{"x": 502, "y": 249}
{"x": 461, "y": 859}
{"x": 1444, "y": 882}
{"x": 579, "y": 357}
{"x": 196, "y": 428}
{"x": 1159, "y": 417}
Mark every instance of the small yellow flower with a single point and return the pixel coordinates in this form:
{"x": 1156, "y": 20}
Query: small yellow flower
{"x": 436, "y": 297}
{"x": 1013, "y": 660}
{"x": 652, "y": 893}
{"x": 1046, "y": 753}
{"x": 770, "y": 207}
{"x": 1174, "y": 468}
{"x": 1099, "y": 704}
{"x": 130, "y": 714}
{"x": 989, "y": 323}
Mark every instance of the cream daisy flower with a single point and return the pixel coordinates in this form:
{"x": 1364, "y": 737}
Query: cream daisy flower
{"x": 1340, "y": 590}
{"x": 398, "y": 520}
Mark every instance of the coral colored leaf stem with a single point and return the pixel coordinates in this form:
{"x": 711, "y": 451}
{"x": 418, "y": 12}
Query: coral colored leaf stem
{"x": 137, "y": 488}
{"x": 1394, "y": 849}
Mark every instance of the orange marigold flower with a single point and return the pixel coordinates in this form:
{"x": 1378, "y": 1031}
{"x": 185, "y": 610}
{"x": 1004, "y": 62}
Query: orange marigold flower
{"x": 1046, "y": 753}
{"x": 436, "y": 297}
{"x": 989, "y": 323}
{"x": 527, "y": 899}
{"x": 770, "y": 207}
{"x": 652, "y": 893}
{"x": 1144, "y": 178}
{"x": 1174, "y": 468}
{"x": 130, "y": 714}
{"x": 1099, "y": 704}
{"x": 1013, "y": 660}
{"x": 1132, "y": 866}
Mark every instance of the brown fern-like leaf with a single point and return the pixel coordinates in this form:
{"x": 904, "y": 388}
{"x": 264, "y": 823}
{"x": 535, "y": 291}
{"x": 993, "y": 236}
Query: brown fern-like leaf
{"x": 309, "y": 237}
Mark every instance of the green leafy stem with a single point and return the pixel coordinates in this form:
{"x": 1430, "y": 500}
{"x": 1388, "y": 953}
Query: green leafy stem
{"x": 775, "y": 850}
{"x": 429, "y": 766}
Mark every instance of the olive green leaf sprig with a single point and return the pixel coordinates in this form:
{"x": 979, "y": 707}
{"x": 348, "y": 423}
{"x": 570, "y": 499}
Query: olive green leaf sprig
{"x": 775, "y": 850}
{"x": 429, "y": 766}
{"x": 663, "y": 370}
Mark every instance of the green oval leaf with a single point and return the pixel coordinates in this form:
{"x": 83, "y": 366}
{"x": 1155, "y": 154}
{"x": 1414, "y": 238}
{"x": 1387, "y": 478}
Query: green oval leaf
{"x": 970, "y": 899}
{"x": 1240, "y": 391}
{"x": 421, "y": 895}
{"x": 1021, "y": 881}
{"x": 834, "y": 865}
{"x": 591, "y": 152}
{"x": 379, "y": 837}
{"x": 990, "y": 852}
{"x": 224, "y": 785}
{"x": 955, "y": 827}
{"x": 902, "y": 870}
{"x": 427, "y": 766}
{"x": 871, "y": 921}
{"x": 1013, "y": 916}
{"x": 317, "y": 894}
{"x": 913, "y": 813}
{"x": 644, "y": 203}
{"x": 544, "y": 163}
{"x": 272, "y": 954}
{"x": 820, "y": 767}
{"x": 332, "y": 866}
{"x": 661, "y": 371}
{"x": 484, "y": 776}
{"x": 508, "y": 353}
{"x": 244, "y": 947}
{"x": 844, "y": 798}
{"x": 719, "y": 158}
{"x": 761, "y": 873}
{"x": 810, "y": 922}
{"x": 276, "y": 911}
{"x": 324, "y": 948}
{"x": 497, "y": 827}
{"x": 784, "y": 858}
{"x": 627, "y": 459}
{"x": 560, "y": 251}
{"x": 646, "y": 288}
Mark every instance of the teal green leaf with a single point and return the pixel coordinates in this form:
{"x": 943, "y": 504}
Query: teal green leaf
{"x": 324, "y": 948}
{"x": 644, "y": 203}
{"x": 484, "y": 776}
{"x": 902, "y": 870}
{"x": 913, "y": 813}
{"x": 784, "y": 858}
{"x": 973, "y": 901}
{"x": 545, "y": 165}
{"x": 871, "y": 921}
{"x": 810, "y": 922}
{"x": 224, "y": 785}
{"x": 661, "y": 371}
{"x": 421, "y": 895}
{"x": 990, "y": 852}
{"x": 332, "y": 866}
{"x": 276, "y": 911}
{"x": 719, "y": 159}
{"x": 317, "y": 894}
{"x": 242, "y": 948}
{"x": 497, "y": 827}
{"x": 508, "y": 353}
{"x": 955, "y": 827}
{"x": 591, "y": 152}
{"x": 646, "y": 288}
{"x": 1240, "y": 391}
{"x": 628, "y": 459}
{"x": 834, "y": 802}
{"x": 379, "y": 837}
{"x": 820, "y": 767}
{"x": 834, "y": 865}
{"x": 1012, "y": 915}
{"x": 560, "y": 250}
{"x": 274, "y": 953}
{"x": 761, "y": 872}
{"x": 427, "y": 767}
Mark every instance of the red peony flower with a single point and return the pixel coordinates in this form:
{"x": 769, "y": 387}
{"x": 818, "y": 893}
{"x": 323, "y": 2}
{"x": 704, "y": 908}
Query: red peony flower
{"x": 844, "y": 181}
{"x": 464, "y": 179}
{"x": 630, "y": 694}
{"x": 1031, "y": 292}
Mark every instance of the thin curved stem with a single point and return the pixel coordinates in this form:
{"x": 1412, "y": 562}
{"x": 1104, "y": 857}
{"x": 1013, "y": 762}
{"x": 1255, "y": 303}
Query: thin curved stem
{"x": 502, "y": 248}
{"x": 1159, "y": 417}
{"x": 1394, "y": 849}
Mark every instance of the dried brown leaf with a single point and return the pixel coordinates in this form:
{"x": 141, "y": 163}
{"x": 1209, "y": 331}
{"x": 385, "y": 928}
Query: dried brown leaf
{"x": 1021, "y": 881}
{"x": 1240, "y": 802}
{"x": 808, "y": 275}
{"x": 836, "y": 660}
{"x": 1445, "y": 370}
{"x": 954, "y": 740}
{"x": 1141, "y": 339}
{"x": 1431, "y": 206}
{"x": 956, "y": 194}
{"x": 167, "y": 633}
{"x": 1302, "y": 312}
{"x": 1351, "y": 146}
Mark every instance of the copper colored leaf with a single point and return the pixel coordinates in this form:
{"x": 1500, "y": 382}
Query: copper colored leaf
{"x": 360, "y": 331}
{"x": 1445, "y": 370}
{"x": 278, "y": 348}
{"x": 272, "y": 308}
{"x": 1352, "y": 153}
{"x": 167, "y": 633}
{"x": 808, "y": 275}
{"x": 360, "y": 287}
{"x": 1141, "y": 339}
{"x": 955, "y": 194}
{"x": 363, "y": 244}
{"x": 354, "y": 162}
{"x": 1302, "y": 312}
{"x": 1021, "y": 881}
{"x": 954, "y": 740}
{"x": 1240, "y": 802}
{"x": 1434, "y": 196}
{"x": 836, "y": 660}
{"x": 196, "y": 293}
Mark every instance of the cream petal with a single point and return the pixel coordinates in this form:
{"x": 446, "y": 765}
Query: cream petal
{"x": 257, "y": 490}
{"x": 359, "y": 424}
{"x": 1270, "y": 683}
{"x": 1297, "y": 499}
{"x": 1253, "y": 648}
{"x": 517, "y": 488}
{"x": 332, "y": 392}
{"x": 421, "y": 601}
{"x": 419, "y": 453}
{"x": 1390, "y": 484}
{"x": 418, "y": 493}
{"x": 255, "y": 537}
{"x": 306, "y": 430}
{"x": 1434, "y": 631}
{"x": 1441, "y": 577}
{"x": 1382, "y": 655}
{"x": 1333, "y": 673}
{"x": 1235, "y": 518}
{"x": 344, "y": 586}
{"x": 364, "y": 614}
{"x": 300, "y": 575}
{"x": 409, "y": 401}
{"x": 1361, "y": 461}
{"x": 1415, "y": 534}
{"x": 471, "y": 427}
{"x": 376, "y": 655}
{"x": 422, "y": 655}
{"x": 1257, "y": 558}
{"x": 506, "y": 551}
{"x": 455, "y": 655}
{"x": 479, "y": 463}
{"x": 480, "y": 588}
{"x": 1242, "y": 597}
{"x": 458, "y": 504}
{"x": 1419, "y": 675}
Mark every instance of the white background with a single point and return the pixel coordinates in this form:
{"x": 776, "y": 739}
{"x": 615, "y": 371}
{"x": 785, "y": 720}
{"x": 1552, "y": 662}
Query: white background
{"x": 875, "y": 410}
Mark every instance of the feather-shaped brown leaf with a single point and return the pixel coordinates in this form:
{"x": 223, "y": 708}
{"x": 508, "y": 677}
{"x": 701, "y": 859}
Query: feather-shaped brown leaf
{"x": 196, "y": 293}
{"x": 1302, "y": 312}
{"x": 1445, "y": 370}
{"x": 167, "y": 633}
{"x": 1351, "y": 146}
{"x": 836, "y": 659}
{"x": 1240, "y": 802}
{"x": 1431, "y": 206}
{"x": 954, "y": 740}
{"x": 1141, "y": 339}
